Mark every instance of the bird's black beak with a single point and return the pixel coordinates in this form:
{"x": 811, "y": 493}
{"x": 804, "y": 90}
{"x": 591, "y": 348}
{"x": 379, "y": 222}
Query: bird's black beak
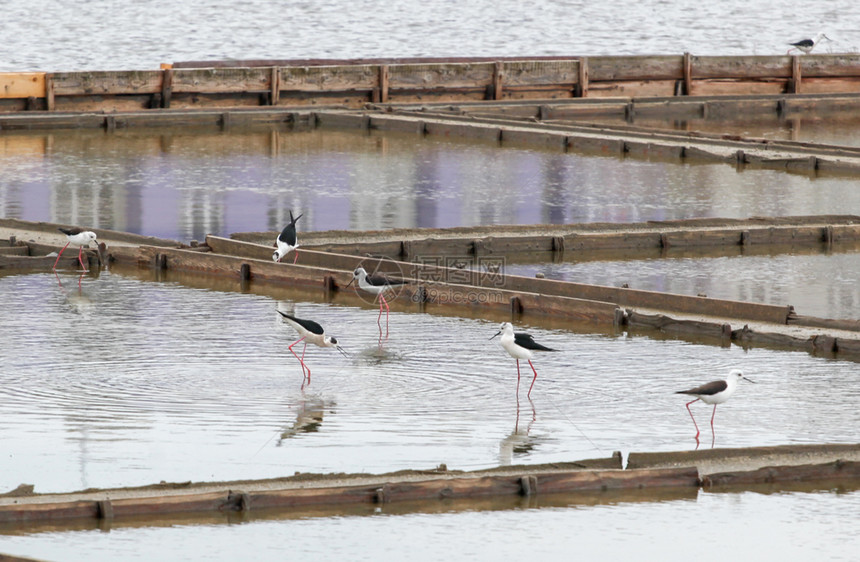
{"x": 350, "y": 283}
{"x": 748, "y": 380}
{"x": 343, "y": 352}
{"x": 496, "y": 334}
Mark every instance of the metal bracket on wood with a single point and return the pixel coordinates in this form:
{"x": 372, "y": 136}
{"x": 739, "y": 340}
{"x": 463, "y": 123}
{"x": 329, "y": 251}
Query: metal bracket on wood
{"x": 516, "y": 306}
{"x": 558, "y": 244}
{"x": 245, "y": 272}
{"x": 382, "y": 495}
{"x": 160, "y": 261}
{"x": 528, "y": 485}
{"x": 688, "y": 74}
{"x": 104, "y": 510}
{"x": 828, "y": 236}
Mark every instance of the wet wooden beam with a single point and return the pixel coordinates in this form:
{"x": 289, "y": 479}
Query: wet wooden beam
{"x": 830, "y": 472}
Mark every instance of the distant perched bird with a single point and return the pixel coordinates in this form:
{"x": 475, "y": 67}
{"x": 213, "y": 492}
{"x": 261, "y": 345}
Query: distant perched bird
{"x": 310, "y": 332}
{"x": 79, "y": 237}
{"x": 715, "y": 392}
{"x": 520, "y": 346}
{"x": 376, "y": 285}
{"x": 287, "y": 240}
{"x": 806, "y": 45}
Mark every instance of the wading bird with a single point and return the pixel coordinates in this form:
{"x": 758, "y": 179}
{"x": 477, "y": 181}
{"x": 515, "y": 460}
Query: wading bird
{"x": 520, "y": 346}
{"x": 287, "y": 240}
{"x": 310, "y": 332}
{"x": 79, "y": 237}
{"x": 376, "y": 285}
{"x": 715, "y": 392}
{"x": 806, "y": 45}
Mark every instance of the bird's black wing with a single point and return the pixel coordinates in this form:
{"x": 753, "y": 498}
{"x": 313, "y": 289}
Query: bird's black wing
{"x": 708, "y": 389}
{"x": 308, "y": 325}
{"x": 70, "y": 231}
{"x": 527, "y": 341}
{"x": 803, "y": 43}
{"x": 288, "y": 235}
{"x": 381, "y": 281}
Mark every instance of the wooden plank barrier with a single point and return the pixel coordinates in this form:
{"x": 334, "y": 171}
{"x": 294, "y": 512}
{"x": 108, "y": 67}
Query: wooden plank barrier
{"x": 282, "y": 83}
{"x": 514, "y": 285}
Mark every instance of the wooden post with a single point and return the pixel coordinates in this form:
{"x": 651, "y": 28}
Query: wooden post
{"x": 276, "y": 86}
{"x": 583, "y": 77}
{"x": 49, "y": 91}
{"x": 166, "y": 87}
{"x": 795, "y": 75}
{"x": 688, "y": 74}
{"x": 498, "y": 71}
{"x": 383, "y": 83}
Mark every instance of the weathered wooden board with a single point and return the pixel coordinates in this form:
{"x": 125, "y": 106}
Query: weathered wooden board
{"x": 446, "y": 75}
{"x": 728, "y": 87}
{"x": 220, "y": 80}
{"x": 536, "y": 73}
{"x": 837, "y": 470}
{"x": 328, "y": 78}
{"x": 22, "y": 85}
{"x": 632, "y": 88}
{"x": 635, "y": 68}
{"x": 106, "y": 82}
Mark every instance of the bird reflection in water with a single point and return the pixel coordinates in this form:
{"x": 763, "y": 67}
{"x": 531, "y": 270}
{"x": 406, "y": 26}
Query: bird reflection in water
{"x": 78, "y": 303}
{"x": 518, "y": 443}
{"x": 309, "y": 417}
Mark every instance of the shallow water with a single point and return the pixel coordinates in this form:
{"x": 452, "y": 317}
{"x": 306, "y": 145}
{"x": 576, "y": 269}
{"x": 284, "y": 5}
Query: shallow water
{"x": 159, "y": 381}
{"x": 184, "y": 185}
{"x": 768, "y": 527}
{"x": 103, "y": 35}
{"x": 816, "y": 282}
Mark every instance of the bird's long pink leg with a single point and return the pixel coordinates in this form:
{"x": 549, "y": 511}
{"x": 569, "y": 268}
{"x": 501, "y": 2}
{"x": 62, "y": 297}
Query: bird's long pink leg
{"x": 60, "y": 254}
{"x": 694, "y": 419}
{"x": 713, "y": 434}
{"x": 299, "y": 358}
{"x": 303, "y": 362}
{"x": 518, "y": 379}
{"x": 385, "y": 302}
{"x": 295, "y": 259}
{"x": 81, "y": 258}
{"x": 529, "y": 395}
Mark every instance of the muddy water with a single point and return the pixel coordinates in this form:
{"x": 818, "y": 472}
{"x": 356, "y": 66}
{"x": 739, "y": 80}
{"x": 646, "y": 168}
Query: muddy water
{"x": 186, "y": 184}
{"x": 815, "y": 281}
{"x": 127, "y": 381}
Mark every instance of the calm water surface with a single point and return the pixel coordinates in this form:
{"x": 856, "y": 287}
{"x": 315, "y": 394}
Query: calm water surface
{"x": 184, "y": 185}
{"x": 103, "y": 35}
{"x": 772, "y": 527}
{"x": 126, "y": 382}
{"x": 167, "y": 382}
{"x": 815, "y": 282}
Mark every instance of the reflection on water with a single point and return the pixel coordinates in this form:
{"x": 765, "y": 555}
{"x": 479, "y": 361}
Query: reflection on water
{"x": 815, "y": 282}
{"x": 185, "y": 184}
{"x": 156, "y": 381}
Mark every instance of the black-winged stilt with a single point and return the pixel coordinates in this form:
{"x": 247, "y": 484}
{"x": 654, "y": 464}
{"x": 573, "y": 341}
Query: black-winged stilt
{"x": 310, "y": 332}
{"x": 376, "y": 285}
{"x": 715, "y": 392}
{"x": 806, "y": 45}
{"x": 79, "y": 237}
{"x": 287, "y": 240}
{"x": 520, "y": 346}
